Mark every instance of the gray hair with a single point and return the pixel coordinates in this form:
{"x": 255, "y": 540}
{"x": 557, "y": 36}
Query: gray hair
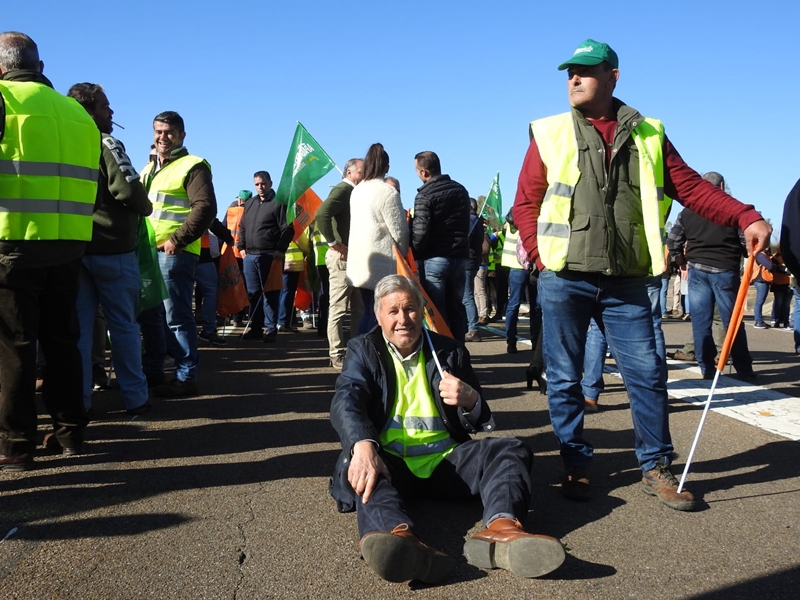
{"x": 717, "y": 180}
{"x": 392, "y": 284}
{"x": 350, "y": 164}
{"x": 392, "y": 181}
{"x": 18, "y": 51}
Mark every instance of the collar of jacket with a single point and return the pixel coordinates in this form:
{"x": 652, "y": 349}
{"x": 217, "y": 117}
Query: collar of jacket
{"x": 270, "y": 197}
{"x": 26, "y": 75}
{"x": 625, "y": 116}
{"x": 434, "y": 179}
{"x": 174, "y": 155}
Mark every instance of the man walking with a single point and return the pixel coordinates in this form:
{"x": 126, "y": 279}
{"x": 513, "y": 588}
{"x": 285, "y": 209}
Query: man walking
{"x": 595, "y": 240}
{"x": 333, "y": 221}
{"x": 47, "y": 195}
{"x": 440, "y": 240}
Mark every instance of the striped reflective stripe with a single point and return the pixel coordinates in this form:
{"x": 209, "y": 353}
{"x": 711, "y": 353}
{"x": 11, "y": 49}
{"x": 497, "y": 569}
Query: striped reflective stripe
{"x": 55, "y": 207}
{"x": 558, "y": 230}
{"x": 171, "y": 200}
{"x": 418, "y": 423}
{"x": 421, "y": 449}
{"x": 559, "y": 189}
{"x": 165, "y": 215}
{"x": 47, "y": 169}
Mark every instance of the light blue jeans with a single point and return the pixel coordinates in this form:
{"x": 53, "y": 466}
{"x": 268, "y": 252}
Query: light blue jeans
{"x": 179, "y": 272}
{"x": 622, "y": 309}
{"x": 113, "y": 281}
{"x": 762, "y": 291}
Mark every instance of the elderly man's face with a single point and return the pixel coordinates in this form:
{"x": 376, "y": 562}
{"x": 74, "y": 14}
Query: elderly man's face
{"x": 590, "y": 86}
{"x": 400, "y": 318}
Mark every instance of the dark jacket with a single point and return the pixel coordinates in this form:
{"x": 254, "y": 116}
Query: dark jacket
{"x": 707, "y": 244}
{"x": 35, "y": 254}
{"x": 477, "y": 234}
{"x": 790, "y": 231}
{"x": 333, "y": 217}
{"x": 365, "y": 393}
{"x": 441, "y": 220}
{"x": 121, "y": 201}
{"x": 263, "y": 228}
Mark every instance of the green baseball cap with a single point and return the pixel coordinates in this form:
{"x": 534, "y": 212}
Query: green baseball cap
{"x": 590, "y": 53}
{"x": 245, "y": 195}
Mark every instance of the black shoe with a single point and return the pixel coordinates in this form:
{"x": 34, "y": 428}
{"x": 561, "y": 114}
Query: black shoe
{"x": 211, "y": 339}
{"x": 270, "y": 337}
{"x": 751, "y": 376}
{"x": 154, "y": 379}
{"x": 287, "y": 329}
{"x": 575, "y": 484}
{"x": 254, "y": 333}
{"x": 511, "y": 347}
{"x": 16, "y": 464}
{"x": 140, "y": 410}
{"x": 536, "y": 373}
{"x": 52, "y": 445}
{"x": 177, "y": 389}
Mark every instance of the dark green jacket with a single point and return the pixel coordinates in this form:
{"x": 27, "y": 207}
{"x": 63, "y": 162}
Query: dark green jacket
{"x": 607, "y": 223}
{"x": 121, "y": 201}
{"x": 333, "y": 217}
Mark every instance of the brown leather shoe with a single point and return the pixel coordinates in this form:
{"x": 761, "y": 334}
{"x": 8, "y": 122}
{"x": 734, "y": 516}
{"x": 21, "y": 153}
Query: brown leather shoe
{"x": 399, "y": 556}
{"x": 506, "y": 545}
{"x": 662, "y": 483}
{"x": 16, "y": 464}
{"x": 472, "y": 336}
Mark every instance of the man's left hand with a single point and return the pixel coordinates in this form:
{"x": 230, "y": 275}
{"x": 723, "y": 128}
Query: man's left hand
{"x": 169, "y": 248}
{"x": 457, "y": 393}
{"x": 757, "y": 236}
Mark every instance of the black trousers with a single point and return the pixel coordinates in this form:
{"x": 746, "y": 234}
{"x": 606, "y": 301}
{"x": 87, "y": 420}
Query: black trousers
{"x": 39, "y": 304}
{"x": 496, "y": 469}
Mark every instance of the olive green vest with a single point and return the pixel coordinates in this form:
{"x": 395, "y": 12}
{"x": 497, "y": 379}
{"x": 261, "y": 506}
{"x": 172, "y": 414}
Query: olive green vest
{"x": 598, "y": 219}
{"x": 167, "y": 191}
{"x": 49, "y": 164}
{"x": 415, "y": 430}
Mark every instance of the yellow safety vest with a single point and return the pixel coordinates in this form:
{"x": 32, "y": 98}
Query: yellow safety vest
{"x": 49, "y": 164}
{"x": 415, "y": 430}
{"x": 167, "y": 192}
{"x": 510, "y": 249}
{"x": 558, "y": 147}
{"x": 320, "y": 248}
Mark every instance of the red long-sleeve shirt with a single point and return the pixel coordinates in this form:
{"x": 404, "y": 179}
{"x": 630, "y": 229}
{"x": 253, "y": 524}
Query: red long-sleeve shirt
{"x": 680, "y": 182}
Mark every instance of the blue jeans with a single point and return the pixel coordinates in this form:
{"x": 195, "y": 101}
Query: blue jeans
{"x": 263, "y": 305}
{"x": 654, "y": 288}
{"x": 518, "y": 282}
{"x": 469, "y": 300}
{"x": 443, "y": 280}
{"x": 368, "y": 319}
{"x": 796, "y": 318}
{"x": 179, "y": 271}
{"x": 622, "y": 310}
{"x": 286, "y": 300}
{"x": 663, "y": 306}
{"x": 113, "y": 281}
{"x": 762, "y": 291}
{"x": 206, "y": 279}
{"x": 592, "y": 383}
{"x": 706, "y": 290}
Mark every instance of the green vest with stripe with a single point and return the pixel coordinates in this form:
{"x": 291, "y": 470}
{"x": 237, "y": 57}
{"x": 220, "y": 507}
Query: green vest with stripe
{"x": 596, "y": 218}
{"x": 320, "y": 247}
{"x": 49, "y": 164}
{"x": 415, "y": 430}
{"x": 167, "y": 191}
{"x": 496, "y": 253}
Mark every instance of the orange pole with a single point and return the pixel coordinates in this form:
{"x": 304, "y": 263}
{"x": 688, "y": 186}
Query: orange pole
{"x": 738, "y": 313}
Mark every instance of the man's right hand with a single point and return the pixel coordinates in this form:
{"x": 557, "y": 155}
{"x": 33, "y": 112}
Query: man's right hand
{"x": 365, "y": 468}
{"x": 243, "y": 252}
{"x": 341, "y": 249}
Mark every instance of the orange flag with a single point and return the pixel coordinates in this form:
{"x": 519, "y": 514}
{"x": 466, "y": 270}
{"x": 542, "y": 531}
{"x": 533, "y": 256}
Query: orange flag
{"x": 433, "y": 318}
{"x": 305, "y": 211}
{"x": 738, "y": 313}
{"x": 303, "y": 296}
{"x": 274, "y": 280}
{"x": 232, "y": 295}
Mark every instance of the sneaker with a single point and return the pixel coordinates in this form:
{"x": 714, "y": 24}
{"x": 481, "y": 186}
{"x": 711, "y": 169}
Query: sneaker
{"x": 270, "y": 337}
{"x": 666, "y": 315}
{"x": 760, "y": 325}
{"x": 399, "y": 556}
{"x": 472, "y": 336}
{"x": 169, "y": 364}
{"x": 16, "y": 464}
{"x": 662, "y": 483}
{"x": 686, "y": 317}
{"x": 99, "y": 378}
{"x": 177, "y": 389}
{"x": 307, "y": 324}
{"x": 678, "y": 355}
{"x": 337, "y": 362}
{"x": 286, "y": 329}
{"x": 483, "y": 321}
{"x": 211, "y": 339}
{"x": 575, "y": 485}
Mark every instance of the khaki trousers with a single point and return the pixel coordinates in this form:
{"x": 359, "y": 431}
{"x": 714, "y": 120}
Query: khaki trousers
{"x": 341, "y": 294}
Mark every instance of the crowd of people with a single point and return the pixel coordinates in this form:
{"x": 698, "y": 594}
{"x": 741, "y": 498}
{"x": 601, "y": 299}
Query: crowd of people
{"x": 584, "y": 245}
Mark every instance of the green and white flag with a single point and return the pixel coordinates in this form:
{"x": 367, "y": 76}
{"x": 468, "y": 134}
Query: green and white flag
{"x": 493, "y": 206}
{"x": 306, "y": 164}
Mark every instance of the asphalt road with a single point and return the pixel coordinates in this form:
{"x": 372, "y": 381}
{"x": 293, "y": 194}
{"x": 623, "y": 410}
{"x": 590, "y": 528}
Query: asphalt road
{"x": 225, "y": 495}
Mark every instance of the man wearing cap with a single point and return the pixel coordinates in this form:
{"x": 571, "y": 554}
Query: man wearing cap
{"x": 593, "y": 195}
{"x": 232, "y": 220}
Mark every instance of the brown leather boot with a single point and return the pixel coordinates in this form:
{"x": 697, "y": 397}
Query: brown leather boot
{"x": 506, "y": 545}
{"x": 399, "y": 556}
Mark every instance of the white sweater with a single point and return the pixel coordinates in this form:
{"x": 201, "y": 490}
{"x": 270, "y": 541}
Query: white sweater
{"x": 377, "y": 223}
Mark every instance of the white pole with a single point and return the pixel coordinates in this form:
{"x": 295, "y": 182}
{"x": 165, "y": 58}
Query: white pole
{"x": 699, "y": 429}
{"x": 433, "y": 351}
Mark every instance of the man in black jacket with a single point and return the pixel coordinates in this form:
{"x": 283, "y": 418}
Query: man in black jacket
{"x": 439, "y": 238}
{"x": 264, "y": 237}
{"x": 714, "y": 255}
{"x": 404, "y": 419}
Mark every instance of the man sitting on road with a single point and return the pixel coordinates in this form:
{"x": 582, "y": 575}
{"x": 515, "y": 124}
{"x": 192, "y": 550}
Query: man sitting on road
{"x": 405, "y": 428}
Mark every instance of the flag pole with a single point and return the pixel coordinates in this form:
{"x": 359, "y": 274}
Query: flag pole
{"x": 730, "y": 336}
{"x": 433, "y": 351}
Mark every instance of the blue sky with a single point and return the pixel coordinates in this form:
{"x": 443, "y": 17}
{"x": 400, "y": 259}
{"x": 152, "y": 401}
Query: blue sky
{"x": 461, "y": 78}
